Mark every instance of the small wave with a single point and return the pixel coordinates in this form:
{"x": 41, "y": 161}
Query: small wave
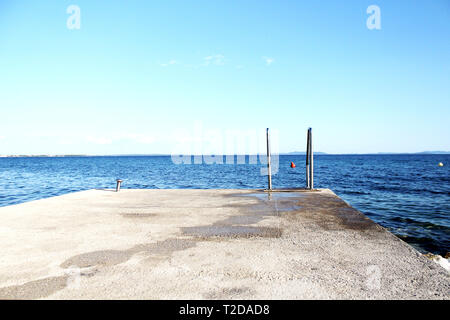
{"x": 424, "y": 244}
{"x": 356, "y": 192}
{"x": 426, "y": 225}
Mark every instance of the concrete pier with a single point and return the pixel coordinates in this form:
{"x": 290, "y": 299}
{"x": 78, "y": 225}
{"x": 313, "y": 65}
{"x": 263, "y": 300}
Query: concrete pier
{"x": 206, "y": 244}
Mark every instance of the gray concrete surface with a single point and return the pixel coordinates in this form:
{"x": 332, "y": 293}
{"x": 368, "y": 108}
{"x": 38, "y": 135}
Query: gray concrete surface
{"x": 206, "y": 244}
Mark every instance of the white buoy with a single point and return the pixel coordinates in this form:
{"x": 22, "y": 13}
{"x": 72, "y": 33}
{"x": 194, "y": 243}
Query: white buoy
{"x": 440, "y": 164}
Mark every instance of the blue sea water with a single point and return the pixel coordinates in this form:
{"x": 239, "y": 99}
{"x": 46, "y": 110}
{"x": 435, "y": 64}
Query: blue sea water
{"x": 408, "y": 194}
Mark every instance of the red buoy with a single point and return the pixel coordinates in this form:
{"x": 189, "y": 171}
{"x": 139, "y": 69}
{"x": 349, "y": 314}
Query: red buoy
{"x": 292, "y": 165}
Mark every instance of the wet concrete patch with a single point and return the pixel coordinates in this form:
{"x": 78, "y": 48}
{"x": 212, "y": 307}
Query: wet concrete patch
{"x": 343, "y": 216}
{"x": 240, "y": 220}
{"x": 275, "y": 202}
{"x": 114, "y": 257}
{"x": 34, "y": 289}
{"x": 215, "y": 231}
{"x": 332, "y": 213}
{"x": 165, "y": 247}
{"x": 101, "y": 257}
{"x": 353, "y": 219}
{"x": 243, "y": 225}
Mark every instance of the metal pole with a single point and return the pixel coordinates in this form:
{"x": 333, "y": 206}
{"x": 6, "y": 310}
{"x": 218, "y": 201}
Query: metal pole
{"x": 311, "y": 161}
{"x": 269, "y": 172}
{"x": 118, "y": 182}
{"x": 307, "y": 159}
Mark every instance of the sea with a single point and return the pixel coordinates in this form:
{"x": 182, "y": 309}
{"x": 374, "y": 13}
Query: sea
{"x": 408, "y": 194}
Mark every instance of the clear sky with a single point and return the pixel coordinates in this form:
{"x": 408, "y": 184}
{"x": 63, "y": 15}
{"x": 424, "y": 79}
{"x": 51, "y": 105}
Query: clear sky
{"x": 137, "y": 73}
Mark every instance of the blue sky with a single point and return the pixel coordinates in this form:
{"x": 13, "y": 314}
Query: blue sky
{"x": 139, "y": 73}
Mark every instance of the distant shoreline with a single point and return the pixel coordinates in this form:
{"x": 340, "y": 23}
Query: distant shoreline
{"x": 168, "y": 155}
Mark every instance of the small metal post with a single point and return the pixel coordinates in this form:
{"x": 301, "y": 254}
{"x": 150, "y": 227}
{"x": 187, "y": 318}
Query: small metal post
{"x": 118, "y": 185}
{"x": 269, "y": 172}
{"x": 307, "y": 158}
{"x": 311, "y": 161}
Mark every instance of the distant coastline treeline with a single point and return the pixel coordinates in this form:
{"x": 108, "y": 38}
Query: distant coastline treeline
{"x": 295, "y": 153}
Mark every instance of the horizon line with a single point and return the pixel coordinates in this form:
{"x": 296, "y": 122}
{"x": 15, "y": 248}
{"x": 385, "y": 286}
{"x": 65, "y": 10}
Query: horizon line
{"x": 292, "y": 153}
